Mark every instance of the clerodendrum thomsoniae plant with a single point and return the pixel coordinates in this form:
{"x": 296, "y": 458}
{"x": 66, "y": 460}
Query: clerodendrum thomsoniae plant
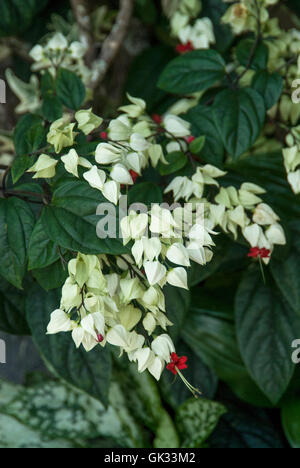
{"x": 114, "y": 293}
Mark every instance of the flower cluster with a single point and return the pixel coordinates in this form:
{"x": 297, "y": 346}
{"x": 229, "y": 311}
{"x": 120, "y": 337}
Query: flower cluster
{"x": 232, "y": 209}
{"x": 131, "y": 146}
{"x": 59, "y": 52}
{"x": 291, "y": 156}
{"x": 244, "y": 15}
{"x": 192, "y": 32}
{"x": 106, "y": 308}
{"x": 119, "y": 299}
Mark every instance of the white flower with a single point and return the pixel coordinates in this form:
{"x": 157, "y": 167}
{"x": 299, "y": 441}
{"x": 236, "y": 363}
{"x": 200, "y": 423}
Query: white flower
{"x": 178, "y": 254}
{"x": 60, "y": 322}
{"x": 155, "y": 272}
{"x": 130, "y": 289}
{"x": 275, "y": 234}
{"x": 57, "y": 43}
{"x": 163, "y": 347}
{"x": 107, "y": 154}
{"x": 263, "y": 214}
{"x": 94, "y": 324}
{"x": 149, "y": 323}
{"x": 176, "y": 126}
{"x": 72, "y": 161}
{"x": 136, "y": 109}
{"x": 178, "y": 277}
{"x": 87, "y": 121}
{"x": 120, "y": 174}
{"x": 201, "y": 255}
{"x": 37, "y": 53}
{"x": 119, "y": 129}
{"x": 129, "y": 317}
{"x": 145, "y": 358}
{"x": 134, "y": 226}
{"x": 77, "y": 50}
{"x": 291, "y": 158}
{"x": 138, "y": 142}
{"x": 45, "y": 167}
{"x": 95, "y": 177}
{"x": 294, "y": 181}
{"x": 149, "y": 248}
{"x": 111, "y": 191}
{"x": 162, "y": 221}
{"x": 156, "y": 367}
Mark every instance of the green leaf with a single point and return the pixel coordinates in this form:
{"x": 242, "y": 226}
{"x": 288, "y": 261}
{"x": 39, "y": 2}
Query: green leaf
{"x": 16, "y": 16}
{"x": 239, "y": 117}
{"x": 196, "y": 420}
{"x": 42, "y": 252}
{"x": 192, "y": 72}
{"x": 70, "y": 89}
{"x": 269, "y": 86}
{"x": 28, "y": 135}
{"x": 166, "y": 435}
{"x": 197, "y": 145}
{"x": 52, "y": 276}
{"x": 70, "y": 220}
{"x": 145, "y": 192}
{"x": 16, "y": 226}
{"x": 291, "y": 422}
{"x": 286, "y": 274}
{"x": 266, "y": 327}
{"x": 209, "y": 330}
{"x": 176, "y": 160}
{"x": 177, "y": 305}
{"x": 245, "y": 428}
{"x": 12, "y": 310}
{"x": 52, "y": 108}
{"x": 203, "y": 124}
{"x": 150, "y": 62}
{"x": 244, "y": 52}
{"x": 89, "y": 372}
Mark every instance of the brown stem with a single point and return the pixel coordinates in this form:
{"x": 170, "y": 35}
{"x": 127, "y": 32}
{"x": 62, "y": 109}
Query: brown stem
{"x": 113, "y": 42}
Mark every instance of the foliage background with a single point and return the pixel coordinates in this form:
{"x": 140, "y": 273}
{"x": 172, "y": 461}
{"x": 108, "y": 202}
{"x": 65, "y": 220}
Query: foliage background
{"x": 236, "y": 331}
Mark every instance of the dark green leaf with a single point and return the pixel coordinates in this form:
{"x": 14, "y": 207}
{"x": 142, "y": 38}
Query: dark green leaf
{"x": 239, "y": 116}
{"x": 71, "y": 221}
{"x": 89, "y": 372}
{"x": 52, "y": 276}
{"x": 266, "y": 327}
{"x": 269, "y": 86}
{"x": 16, "y": 15}
{"x": 197, "y": 145}
{"x": 52, "y": 108}
{"x": 70, "y": 89}
{"x": 16, "y": 226}
{"x": 177, "y": 305}
{"x": 145, "y": 192}
{"x": 239, "y": 428}
{"x": 12, "y": 310}
{"x": 150, "y": 63}
{"x": 291, "y": 422}
{"x": 192, "y": 72}
{"x": 176, "y": 161}
{"x": 42, "y": 252}
{"x": 247, "y": 50}
{"x": 29, "y": 134}
{"x": 209, "y": 331}
{"x": 203, "y": 124}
